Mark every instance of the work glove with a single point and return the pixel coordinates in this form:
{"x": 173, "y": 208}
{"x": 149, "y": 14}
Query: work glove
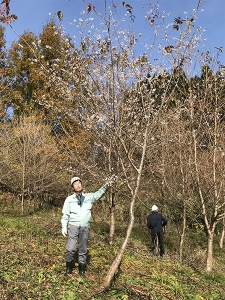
{"x": 64, "y": 231}
{"x": 110, "y": 180}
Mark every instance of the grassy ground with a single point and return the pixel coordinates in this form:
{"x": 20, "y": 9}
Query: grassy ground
{"x": 32, "y": 266}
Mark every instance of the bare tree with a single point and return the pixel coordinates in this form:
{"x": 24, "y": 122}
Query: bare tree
{"x": 121, "y": 105}
{"x": 31, "y": 161}
{"x": 208, "y": 139}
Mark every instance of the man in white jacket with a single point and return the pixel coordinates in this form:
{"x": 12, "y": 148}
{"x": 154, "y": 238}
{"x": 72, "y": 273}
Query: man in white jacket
{"x": 76, "y": 222}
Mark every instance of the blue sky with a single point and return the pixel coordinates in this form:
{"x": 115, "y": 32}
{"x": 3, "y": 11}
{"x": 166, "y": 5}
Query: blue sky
{"x": 33, "y": 14}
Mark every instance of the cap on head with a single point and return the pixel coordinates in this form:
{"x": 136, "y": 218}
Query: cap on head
{"x": 154, "y": 208}
{"x": 75, "y": 179}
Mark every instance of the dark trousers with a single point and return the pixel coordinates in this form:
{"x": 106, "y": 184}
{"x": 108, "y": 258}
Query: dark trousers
{"x": 77, "y": 235}
{"x": 160, "y": 236}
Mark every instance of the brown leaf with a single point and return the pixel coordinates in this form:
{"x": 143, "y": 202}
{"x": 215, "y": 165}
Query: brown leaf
{"x": 89, "y": 7}
{"x": 169, "y": 49}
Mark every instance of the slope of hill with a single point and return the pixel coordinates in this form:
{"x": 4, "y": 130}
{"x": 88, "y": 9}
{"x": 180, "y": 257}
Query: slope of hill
{"x": 32, "y": 265}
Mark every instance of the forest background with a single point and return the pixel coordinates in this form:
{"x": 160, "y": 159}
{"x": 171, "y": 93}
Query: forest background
{"x": 153, "y": 125}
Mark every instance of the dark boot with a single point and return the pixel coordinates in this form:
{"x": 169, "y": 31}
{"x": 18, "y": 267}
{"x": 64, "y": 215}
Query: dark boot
{"x": 69, "y": 268}
{"x": 81, "y": 269}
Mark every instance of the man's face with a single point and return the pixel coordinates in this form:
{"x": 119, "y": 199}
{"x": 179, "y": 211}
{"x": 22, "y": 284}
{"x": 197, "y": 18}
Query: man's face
{"x": 77, "y": 185}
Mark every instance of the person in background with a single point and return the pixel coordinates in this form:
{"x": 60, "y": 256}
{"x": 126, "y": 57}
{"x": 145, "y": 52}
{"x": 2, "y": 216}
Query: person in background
{"x": 76, "y": 223}
{"x": 155, "y": 223}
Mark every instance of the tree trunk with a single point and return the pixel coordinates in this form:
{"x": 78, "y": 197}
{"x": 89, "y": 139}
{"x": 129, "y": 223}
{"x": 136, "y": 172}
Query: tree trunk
{"x": 183, "y": 233}
{"x": 134, "y": 192}
{"x": 209, "y": 261}
{"x": 115, "y": 265}
{"x": 112, "y": 218}
{"x": 22, "y": 204}
{"x": 222, "y": 234}
{"x": 23, "y": 178}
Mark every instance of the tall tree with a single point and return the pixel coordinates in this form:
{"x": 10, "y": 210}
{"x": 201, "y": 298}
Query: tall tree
{"x": 207, "y": 117}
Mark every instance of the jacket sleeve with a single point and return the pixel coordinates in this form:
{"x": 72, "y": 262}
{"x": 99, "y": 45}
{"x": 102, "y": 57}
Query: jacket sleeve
{"x": 164, "y": 221}
{"x": 98, "y": 194}
{"x": 149, "y": 223}
{"x": 66, "y": 214}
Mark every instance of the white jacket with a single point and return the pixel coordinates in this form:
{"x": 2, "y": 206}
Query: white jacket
{"x": 78, "y": 211}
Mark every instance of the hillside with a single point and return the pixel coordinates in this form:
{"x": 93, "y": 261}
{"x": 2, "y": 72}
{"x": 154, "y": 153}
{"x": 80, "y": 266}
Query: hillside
{"x": 32, "y": 265}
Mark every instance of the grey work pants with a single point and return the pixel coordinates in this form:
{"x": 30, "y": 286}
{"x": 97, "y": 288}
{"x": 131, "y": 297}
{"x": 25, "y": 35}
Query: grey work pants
{"x": 77, "y": 234}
